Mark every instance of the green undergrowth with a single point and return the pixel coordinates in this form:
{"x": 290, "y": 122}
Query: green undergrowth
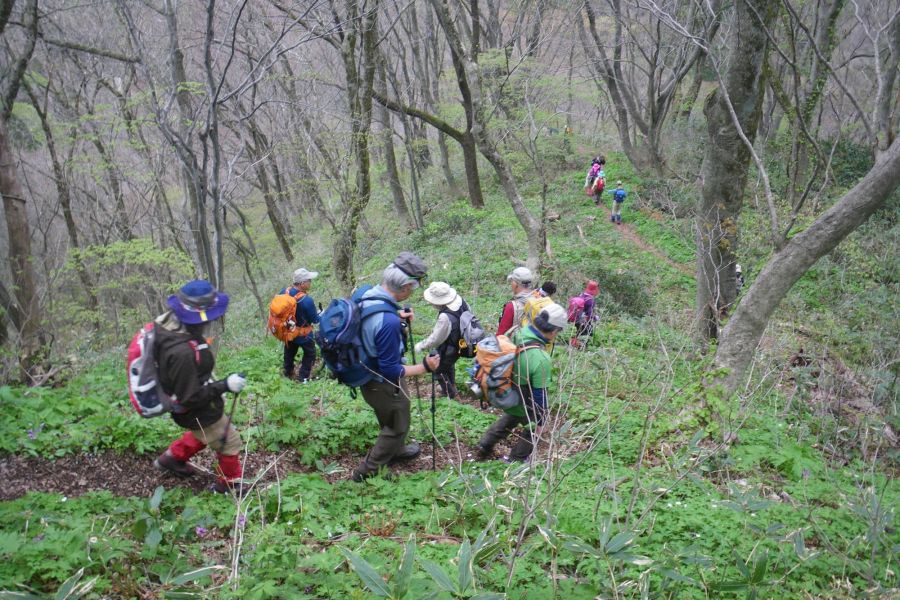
{"x": 642, "y": 499}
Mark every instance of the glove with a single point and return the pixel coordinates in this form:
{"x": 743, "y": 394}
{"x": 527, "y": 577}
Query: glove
{"x": 235, "y": 382}
{"x": 418, "y": 347}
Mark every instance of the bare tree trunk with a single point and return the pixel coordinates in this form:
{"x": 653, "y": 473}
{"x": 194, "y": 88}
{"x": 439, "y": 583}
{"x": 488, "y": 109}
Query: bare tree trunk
{"x": 115, "y": 186}
{"x": 26, "y": 307}
{"x": 741, "y": 335}
{"x": 387, "y": 135}
{"x": 260, "y": 155}
{"x": 726, "y": 161}
{"x": 360, "y": 88}
{"x": 65, "y": 200}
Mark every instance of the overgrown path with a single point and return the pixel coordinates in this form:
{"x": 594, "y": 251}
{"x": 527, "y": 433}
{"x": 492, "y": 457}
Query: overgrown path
{"x": 628, "y": 232}
{"x": 134, "y": 475}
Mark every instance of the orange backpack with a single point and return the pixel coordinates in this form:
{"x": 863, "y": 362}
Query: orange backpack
{"x": 282, "y": 317}
{"x": 496, "y": 356}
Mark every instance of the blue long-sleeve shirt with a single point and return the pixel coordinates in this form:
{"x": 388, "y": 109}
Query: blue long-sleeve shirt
{"x": 382, "y": 336}
{"x": 306, "y": 313}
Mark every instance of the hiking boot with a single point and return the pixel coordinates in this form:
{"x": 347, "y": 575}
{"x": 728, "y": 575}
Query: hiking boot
{"x": 359, "y": 476}
{"x": 169, "y": 464}
{"x": 409, "y": 452}
{"x": 225, "y": 487}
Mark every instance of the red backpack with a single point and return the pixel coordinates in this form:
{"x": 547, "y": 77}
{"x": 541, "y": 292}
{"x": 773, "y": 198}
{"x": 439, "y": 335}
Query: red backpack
{"x": 146, "y": 394}
{"x": 576, "y": 309}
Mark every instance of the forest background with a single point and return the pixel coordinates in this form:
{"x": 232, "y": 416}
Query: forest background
{"x": 146, "y": 143}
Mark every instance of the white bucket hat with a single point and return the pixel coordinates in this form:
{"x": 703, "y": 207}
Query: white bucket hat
{"x": 301, "y": 275}
{"x": 521, "y": 275}
{"x": 440, "y": 293}
{"x": 556, "y": 315}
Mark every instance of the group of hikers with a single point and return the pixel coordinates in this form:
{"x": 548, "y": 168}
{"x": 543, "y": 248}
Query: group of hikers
{"x": 595, "y": 183}
{"x": 364, "y": 340}
{"x": 374, "y": 362}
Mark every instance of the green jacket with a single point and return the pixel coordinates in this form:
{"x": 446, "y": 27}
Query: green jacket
{"x": 532, "y": 368}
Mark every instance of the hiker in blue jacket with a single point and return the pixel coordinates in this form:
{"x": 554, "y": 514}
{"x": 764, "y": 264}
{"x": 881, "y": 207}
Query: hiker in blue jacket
{"x": 306, "y": 316}
{"x": 386, "y": 391}
{"x": 619, "y": 194}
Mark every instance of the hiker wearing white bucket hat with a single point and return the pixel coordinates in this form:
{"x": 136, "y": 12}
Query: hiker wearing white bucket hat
{"x": 446, "y": 333}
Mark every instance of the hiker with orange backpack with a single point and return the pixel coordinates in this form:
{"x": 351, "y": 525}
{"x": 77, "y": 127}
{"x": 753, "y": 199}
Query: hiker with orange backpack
{"x": 526, "y": 383}
{"x": 185, "y": 363}
{"x": 305, "y": 316}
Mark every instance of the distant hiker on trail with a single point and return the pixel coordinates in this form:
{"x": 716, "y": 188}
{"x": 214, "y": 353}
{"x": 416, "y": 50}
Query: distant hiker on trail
{"x": 520, "y": 281}
{"x": 185, "y": 372}
{"x": 619, "y": 194}
{"x": 305, "y": 317}
{"x": 446, "y": 333}
{"x": 530, "y": 378}
{"x": 595, "y": 180}
{"x": 581, "y": 312}
{"x": 382, "y": 338}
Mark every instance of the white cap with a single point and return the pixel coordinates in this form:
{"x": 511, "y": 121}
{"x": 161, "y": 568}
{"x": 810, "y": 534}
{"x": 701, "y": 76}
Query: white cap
{"x": 301, "y": 275}
{"x": 555, "y": 315}
{"x": 440, "y": 293}
{"x": 521, "y": 275}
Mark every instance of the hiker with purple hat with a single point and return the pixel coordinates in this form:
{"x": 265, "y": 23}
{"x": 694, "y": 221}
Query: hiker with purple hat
{"x": 185, "y": 373}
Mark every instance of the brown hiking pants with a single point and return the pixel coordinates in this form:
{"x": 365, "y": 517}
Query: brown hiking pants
{"x": 391, "y": 406}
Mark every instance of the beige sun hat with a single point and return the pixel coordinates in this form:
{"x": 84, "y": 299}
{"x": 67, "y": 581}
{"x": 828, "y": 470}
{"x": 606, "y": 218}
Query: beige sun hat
{"x": 440, "y": 293}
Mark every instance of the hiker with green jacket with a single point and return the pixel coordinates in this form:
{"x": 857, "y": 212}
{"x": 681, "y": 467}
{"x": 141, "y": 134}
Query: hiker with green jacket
{"x": 531, "y": 378}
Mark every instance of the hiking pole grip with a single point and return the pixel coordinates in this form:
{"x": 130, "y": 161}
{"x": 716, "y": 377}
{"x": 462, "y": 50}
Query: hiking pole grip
{"x": 234, "y": 399}
{"x": 412, "y": 346}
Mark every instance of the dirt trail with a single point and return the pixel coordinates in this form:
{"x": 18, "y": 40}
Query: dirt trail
{"x": 134, "y": 475}
{"x": 627, "y": 231}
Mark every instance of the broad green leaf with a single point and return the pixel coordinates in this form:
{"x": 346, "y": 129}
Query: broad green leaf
{"x": 619, "y": 541}
{"x": 154, "y": 537}
{"x": 465, "y": 566}
{"x": 367, "y": 573}
{"x": 404, "y": 575}
{"x": 759, "y": 568}
{"x": 579, "y": 546}
{"x": 488, "y": 596}
{"x": 195, "y": 574}
{"x": 156, "y": 498}
{"x": 69, "y": 584}
{"x": 439, "y": 576}
{"x": 676, "y": 576}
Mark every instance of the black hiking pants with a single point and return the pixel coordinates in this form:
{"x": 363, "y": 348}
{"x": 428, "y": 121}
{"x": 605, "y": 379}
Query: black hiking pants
{"x": 446, "y": 375}
{"x": 501, "y": 429}
{"x": 306, "y": 364}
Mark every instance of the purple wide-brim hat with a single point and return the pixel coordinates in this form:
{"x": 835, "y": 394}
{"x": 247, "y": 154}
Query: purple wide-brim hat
{"x": 198, "y": 302}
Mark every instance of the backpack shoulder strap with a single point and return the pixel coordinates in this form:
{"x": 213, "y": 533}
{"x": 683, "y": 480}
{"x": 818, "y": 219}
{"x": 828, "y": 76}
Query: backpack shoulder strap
{"x": 378, "y": 305}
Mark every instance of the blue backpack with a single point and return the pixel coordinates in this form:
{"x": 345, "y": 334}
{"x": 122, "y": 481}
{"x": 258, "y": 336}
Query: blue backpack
{"x": 340, "y": 336}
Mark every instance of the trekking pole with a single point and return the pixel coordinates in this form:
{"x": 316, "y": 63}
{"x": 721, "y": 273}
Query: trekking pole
{"x": 412, "y": 347}
{"x": 433, "y": 432}
{"x": 234, "y": 399}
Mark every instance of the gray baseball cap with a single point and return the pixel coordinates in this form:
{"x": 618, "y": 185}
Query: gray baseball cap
{"x": 521, "y": 275}
{"x": 301, "y": 275}
{"x": 411, "y": 264}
